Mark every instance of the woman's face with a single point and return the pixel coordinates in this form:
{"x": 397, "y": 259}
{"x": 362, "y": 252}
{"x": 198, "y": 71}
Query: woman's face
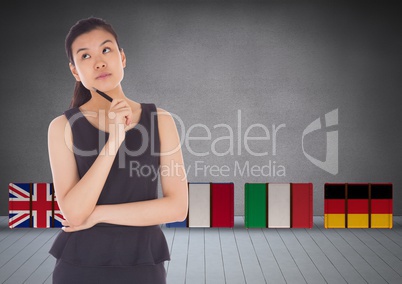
{"x": 98, "y": 63}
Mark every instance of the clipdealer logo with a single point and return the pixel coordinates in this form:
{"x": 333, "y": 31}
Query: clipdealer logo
{"x": 330, "y": 164}
{"x": 205, "y": 140}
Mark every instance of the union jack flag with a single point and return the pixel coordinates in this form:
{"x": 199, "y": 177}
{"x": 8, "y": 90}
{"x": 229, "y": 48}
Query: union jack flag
{"x": 33, "y": 205}
{"x": 58, "y": 216}
{"x": 19, "y": 203}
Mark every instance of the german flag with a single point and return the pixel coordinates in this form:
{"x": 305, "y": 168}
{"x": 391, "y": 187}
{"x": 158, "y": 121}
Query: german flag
{"x": 357, "y": 205}
{"x": 381, "y": 205}
{"x": 335, "y": 205}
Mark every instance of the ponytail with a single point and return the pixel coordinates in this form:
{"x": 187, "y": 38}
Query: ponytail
{"x": 81, "y": 95}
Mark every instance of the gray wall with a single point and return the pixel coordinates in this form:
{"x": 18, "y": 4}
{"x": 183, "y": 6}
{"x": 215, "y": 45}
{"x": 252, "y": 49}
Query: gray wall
{"x": 277, "y": 62}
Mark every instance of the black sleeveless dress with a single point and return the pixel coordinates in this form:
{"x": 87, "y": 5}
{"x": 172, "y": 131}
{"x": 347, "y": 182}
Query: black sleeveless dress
{"x": 108, "y": 253}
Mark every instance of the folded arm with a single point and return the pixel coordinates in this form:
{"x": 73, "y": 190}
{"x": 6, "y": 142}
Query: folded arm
{"x": 171, "y": 207}
{"x": 76, "y": 197}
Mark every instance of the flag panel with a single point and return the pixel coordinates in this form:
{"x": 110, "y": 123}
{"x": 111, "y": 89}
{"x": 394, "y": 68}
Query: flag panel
{"x": 358, "y": 206}
{"x": 357, "y": 190}
{"x": 358, "y": 220}
{"x": 57, "y": 217}
{"x": 334, "y": 221}
{"x": 334, "y": 191}
{"x": 42, "y": 205}
{"x": 381, "y": 206}
{"x": 383, "y": 221}
{"x": 279, "y": 205}
{"x": 33, "y": 205}
{"x": 381, "y": 191}
{"x": 222, "y": 205}
{"x": 182, "y": 224}
{"x": 335, "y": 206}
{"x": 199, "y": 205}
{"x": 255, "y": 205}
{"x": 19, "y": 205}
{"x": 302, "y": 205}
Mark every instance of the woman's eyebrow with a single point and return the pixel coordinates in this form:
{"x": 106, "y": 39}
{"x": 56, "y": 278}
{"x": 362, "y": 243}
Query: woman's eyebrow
{"x": 106, "y": 41}
{"x": 85, "y": 48}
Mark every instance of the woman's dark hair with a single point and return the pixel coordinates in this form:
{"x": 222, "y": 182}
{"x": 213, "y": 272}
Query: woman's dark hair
{"x": 82, "y": 94}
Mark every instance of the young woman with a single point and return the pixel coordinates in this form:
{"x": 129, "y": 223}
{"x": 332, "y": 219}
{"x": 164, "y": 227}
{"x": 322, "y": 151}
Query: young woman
{"x": 105, "y": 158}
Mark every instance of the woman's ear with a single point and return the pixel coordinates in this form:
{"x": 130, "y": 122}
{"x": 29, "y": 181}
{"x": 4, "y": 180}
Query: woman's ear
{"x": 123, "y": 57}
{"x": 74, "y": 72}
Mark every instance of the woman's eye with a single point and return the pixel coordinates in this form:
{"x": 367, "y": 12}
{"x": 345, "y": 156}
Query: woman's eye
{"x": 85, "y": 56}
{"x": 106, "y": 50}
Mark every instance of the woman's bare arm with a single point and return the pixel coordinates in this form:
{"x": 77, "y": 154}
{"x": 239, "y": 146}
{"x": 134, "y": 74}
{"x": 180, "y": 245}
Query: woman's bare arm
{"x": 77, "y": 197}
{"x": 174, "y": 203}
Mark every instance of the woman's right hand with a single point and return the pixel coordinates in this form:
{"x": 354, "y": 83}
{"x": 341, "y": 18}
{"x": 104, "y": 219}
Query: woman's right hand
{"x": 120, "y": 116}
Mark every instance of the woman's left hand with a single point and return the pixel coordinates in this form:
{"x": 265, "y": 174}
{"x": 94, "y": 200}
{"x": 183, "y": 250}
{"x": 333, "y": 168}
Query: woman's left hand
{"x": 89, "y": 223}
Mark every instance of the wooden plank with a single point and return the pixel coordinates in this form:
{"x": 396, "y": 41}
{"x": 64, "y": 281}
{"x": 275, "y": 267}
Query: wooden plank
{"x": 49, "y": 280}
{"x": 29, "y": 259}
{"x": 10, "y": 236}
{"x": 398, "y": 220}
{"x": 285, "y": 261}
{"x": 306, "y": 266}
{"x": 178, "y": 262}
{"x": 44, "y": 272}
{"x": 388, "y": 244}
{"x": 3, "y": 223}
{"x": 16, "y": 242}
{"x": 349, "y": 253}
{"x": 377, "y": 264}
{"x": 377, "y": 246}
{"x": 195, "y": 272}
{"x": 397, "y": 225}
{"x": 269, "y": 265}
{"x": 392, "y": 235}
{"x": 318, "y": 257}
{"x": 251, "y": 266}
{"x": 340, "y": 263}
{"x": 5, "y": 236}
{"x": 318, "y": 221}
{"x": 22, "y": 250}
{"x": 214, "y": 269}
{"x": 230, "y": 255}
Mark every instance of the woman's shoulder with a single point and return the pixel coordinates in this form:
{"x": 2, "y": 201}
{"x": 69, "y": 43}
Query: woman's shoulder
{"x": 162, "y": 111}
{"x": 166, "y": 122}
{"x": 58, "y": 121}
{"x": 58, "y": 124}
{"x": 163, "y": 115}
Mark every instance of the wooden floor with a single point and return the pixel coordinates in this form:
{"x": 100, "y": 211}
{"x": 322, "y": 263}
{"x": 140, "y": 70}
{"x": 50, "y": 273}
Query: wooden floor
{"x": 237, "y": 255}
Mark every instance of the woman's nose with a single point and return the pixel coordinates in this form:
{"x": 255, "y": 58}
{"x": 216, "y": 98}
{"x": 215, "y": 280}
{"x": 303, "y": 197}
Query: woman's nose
{"x": 100, "y": 64}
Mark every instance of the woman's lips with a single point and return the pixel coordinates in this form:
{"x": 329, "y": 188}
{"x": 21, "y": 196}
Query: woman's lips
{"x": 103, "y": 76}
